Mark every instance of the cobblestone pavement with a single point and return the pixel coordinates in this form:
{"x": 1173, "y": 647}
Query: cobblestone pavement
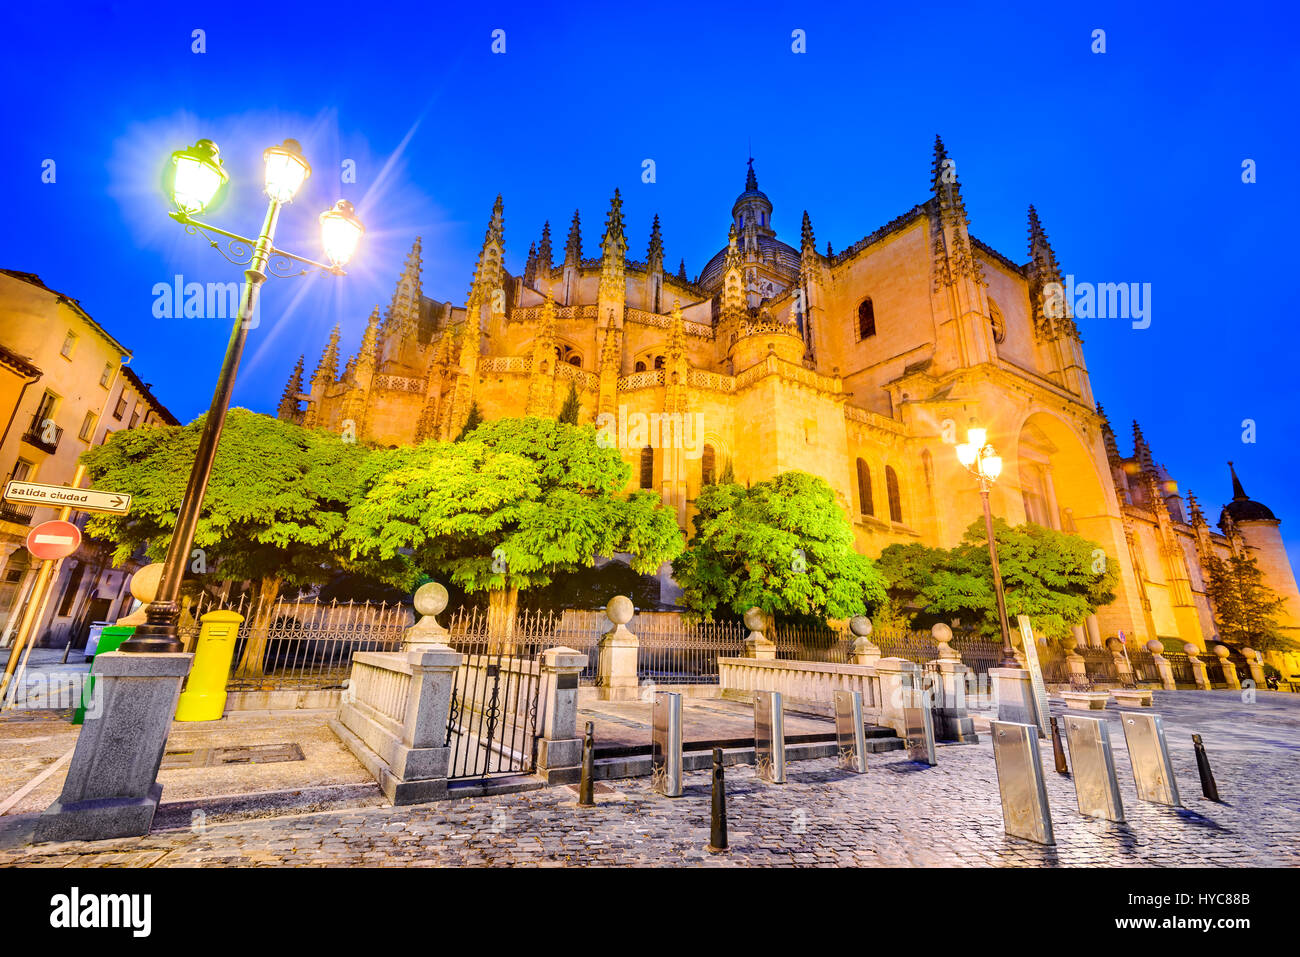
{"x": 898, "y": 814}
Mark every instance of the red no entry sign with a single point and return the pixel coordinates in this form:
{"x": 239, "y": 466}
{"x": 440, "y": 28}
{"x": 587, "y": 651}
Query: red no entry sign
{"x": 53, "y": 540}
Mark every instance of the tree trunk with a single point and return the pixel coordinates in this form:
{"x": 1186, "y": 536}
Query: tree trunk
{"x": 253, "y": 663}
{"x": 503, "y": 605}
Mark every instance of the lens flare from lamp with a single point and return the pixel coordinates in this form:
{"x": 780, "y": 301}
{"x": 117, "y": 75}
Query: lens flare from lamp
{"x": 977, "y": 437}
{"x": 966, "y": 454}
{"x": 197, "y": 177}
{"x": 341, "y": 231}
{"x": 991, "y": 466}
{"x": 286, "y": 170}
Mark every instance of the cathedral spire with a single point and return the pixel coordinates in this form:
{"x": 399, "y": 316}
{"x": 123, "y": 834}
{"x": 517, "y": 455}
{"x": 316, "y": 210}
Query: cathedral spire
{"x": 1108, "y": 437}
{"x": 530, "y": 265}
{"x": 488, "y": 278}
{"x": 806, "y": 231}
{"x": 288, "y": 408}
{"x": 403, "y": 314}
{"x": 943, "y": 179}
{"x": 1040, "y": 250}
{"x": 751, "y": 181}
{"x": 573, "y": 245}
{"x": 328, "y": 367}
{"x": 1197, "y": 517}
{"x": 655, "y": 254}
{"x": 544, "y": 251}
{"x": 368, "y": 352}
{"x": 1142, "y": 451}
{"x": 677, "y": 331}
{"x": 1238, "y": 493}
{"x": 496, "y": 231}
{"x": 614, "y": 239}
{"x": 681, "y": 270}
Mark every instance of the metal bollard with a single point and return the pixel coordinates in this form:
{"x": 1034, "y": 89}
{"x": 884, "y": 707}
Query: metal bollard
{"x": 718, "y": 829}
{"x": 1058, "y": 751}
{"x": 1208, "y": 787}
{"x": 586, "y": 787}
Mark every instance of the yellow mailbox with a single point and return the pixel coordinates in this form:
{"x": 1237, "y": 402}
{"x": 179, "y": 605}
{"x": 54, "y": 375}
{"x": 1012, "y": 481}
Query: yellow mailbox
{"x": 204, "y": 697}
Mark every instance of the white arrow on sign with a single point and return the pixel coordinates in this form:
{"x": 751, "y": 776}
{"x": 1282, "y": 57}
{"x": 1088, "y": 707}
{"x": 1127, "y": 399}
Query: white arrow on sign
{"x": 61, "y": 496}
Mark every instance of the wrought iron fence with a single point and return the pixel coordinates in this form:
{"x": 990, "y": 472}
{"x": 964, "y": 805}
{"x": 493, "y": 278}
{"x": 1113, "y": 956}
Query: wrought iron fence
{"x": 676, "y": 651}
{"x": 813, "y": 643}
{"x": 300, "y": 645}
{"x": 1181, "y": 666}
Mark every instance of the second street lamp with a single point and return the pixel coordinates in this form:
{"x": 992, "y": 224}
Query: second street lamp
{"x": 982, "y": 460}
{"x": 196, "y": 178}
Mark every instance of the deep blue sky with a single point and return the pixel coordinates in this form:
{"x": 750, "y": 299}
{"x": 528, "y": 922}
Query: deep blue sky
{"x": 1133, "y": 159}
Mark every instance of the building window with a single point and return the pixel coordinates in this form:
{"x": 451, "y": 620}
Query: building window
{"x": 107, "y": 375}
{"x": 647, "y": 467}
{"x": 895, "y": 499}
{"x": 70, "y": 593}
{"x": 120, "y": 408}
{"x": 659, "y": 362}
{"x": 708, "y": 466}
{"x": 135, "y": 419}
{"x": 865, "y": 503}
{"x": 866, "y": 320}
{"x": 639, "y": 367}
{"x": 69, "y": 343}
{"x": 22, "y": 471}
{"x": 87, "y": 426}
{"x": 997, "y": 322}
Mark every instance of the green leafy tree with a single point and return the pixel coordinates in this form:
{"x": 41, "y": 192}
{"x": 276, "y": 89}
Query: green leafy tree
{"x": 1245, "y": 609}
{"x": 507, "y": 508}
{"x": 783, "y": 545}
{"x": 572, "y": 406}
{"x": 273, "y": 513}
{"x": 1055, "y": 578}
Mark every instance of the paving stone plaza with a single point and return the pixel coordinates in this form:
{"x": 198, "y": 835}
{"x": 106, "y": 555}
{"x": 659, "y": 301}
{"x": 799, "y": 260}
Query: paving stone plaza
{"x": 899, "y": 814}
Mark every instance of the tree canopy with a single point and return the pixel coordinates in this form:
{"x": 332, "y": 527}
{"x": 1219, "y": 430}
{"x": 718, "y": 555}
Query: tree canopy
{"x": 783, "y": 545}
{"x": 508, "y": 506}
{"x": 1245, "y": 609}
{"x": 1055, "y": 578}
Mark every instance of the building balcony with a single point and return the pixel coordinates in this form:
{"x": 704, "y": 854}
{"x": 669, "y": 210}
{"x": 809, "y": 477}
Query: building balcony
{"x": 43, "y": 436}
{"x": 18, "y": 514}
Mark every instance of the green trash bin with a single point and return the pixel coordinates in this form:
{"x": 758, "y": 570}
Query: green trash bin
{"x": 109, "y": 640}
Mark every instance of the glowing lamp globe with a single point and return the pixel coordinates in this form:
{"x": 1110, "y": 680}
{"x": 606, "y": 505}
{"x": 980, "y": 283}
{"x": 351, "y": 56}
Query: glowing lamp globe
{"x": 286, "y": 170}
{"x": 991, "y": 465}
{"x": 977, "y": 437}
{"x": 197, "y": 175}
{"x": 340, "y": 231}
{"x": 966, "y": 454}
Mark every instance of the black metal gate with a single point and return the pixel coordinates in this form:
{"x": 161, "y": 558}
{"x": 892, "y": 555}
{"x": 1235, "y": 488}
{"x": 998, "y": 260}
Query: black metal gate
{"x": 492, "y": 725}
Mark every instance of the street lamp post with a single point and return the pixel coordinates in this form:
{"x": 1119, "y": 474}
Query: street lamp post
{"x": 196, "y": 178}
{"x": 982, "y": 460}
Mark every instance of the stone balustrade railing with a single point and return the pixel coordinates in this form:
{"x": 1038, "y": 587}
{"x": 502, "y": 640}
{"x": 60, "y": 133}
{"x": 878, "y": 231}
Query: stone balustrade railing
{"x": 810, "y": 683}
{"x": 381, "y": 684}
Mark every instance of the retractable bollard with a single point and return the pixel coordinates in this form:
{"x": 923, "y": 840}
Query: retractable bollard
{"x": 666, "y": 744}
{"x": 1208, "y": 786}
{"x": 919, "y": 721}
{"x": 204, "y": 697}
{"x": 1058, "y": 752}
{"x": 850, "y": 734}
{"x": 718, "y": 827}
{"x": 1025, "y": 813}
{"x": 586, "y": 786}
{"x": 1144, "y": 733}
{"x": 110, "y": 639}
{"x": 769, "y": 736}
{"x": 1095, "y": 785}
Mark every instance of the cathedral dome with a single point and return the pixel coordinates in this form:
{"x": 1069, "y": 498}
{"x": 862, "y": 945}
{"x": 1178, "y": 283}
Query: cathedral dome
{"x": 1242, "y": 508}
{"x": 784, "y": 258}
{"x": 751, "y": 214}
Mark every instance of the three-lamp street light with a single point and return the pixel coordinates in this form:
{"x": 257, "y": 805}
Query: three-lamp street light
{"x": 195, "y": 179}
{"x": 979, "y": 458}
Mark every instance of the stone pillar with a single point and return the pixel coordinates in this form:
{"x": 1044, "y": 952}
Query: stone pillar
{"x": 1122, "y": 666}
{"x": 1227, "y": 667}
{"x": 617, "y": 659}
{"x": 898, "y": 678}
{"x": 1163, "y": 667}
{"x": 559, "y": 747}
{"x": 864, "y": 651}
{"x": 1256, "y": 662}
{"x": 111, "y": 789}
{"x": 952, "y": 722}
{"x": 1014, "y": 693}
{"x": 1094, "y": 632}
{"x": 430, "y": 600}
{"x": 1076, "y": 663}
{"x": 1198, "y": 666}
{"x": 757, "y": 645}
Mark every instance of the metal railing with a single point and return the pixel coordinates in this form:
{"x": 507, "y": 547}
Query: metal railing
{"x": 812, "y": 643}
{"x": 18, "y": 514}
{"x": 675, "y": 651}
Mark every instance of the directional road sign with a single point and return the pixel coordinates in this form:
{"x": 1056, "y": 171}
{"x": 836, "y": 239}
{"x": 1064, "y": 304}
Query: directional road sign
{"x": 63, "y": 496}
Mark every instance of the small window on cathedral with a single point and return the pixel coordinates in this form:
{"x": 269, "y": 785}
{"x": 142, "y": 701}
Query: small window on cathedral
{"x": 866, "y": 320}
{"x": 895, "y": 498}
{"x": 865, "y": 504}
{"x": 647, "y": 467}
{"x": 574, "y": 359}
{"x": 659, "y": 362}
{"x": 997, "y": 322}
{"x": 639, "y": 367}
{"x": 708, "y": 466}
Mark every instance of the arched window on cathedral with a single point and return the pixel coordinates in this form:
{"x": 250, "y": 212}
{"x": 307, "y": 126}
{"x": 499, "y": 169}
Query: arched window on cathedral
{"x": 895, "y": 498}
{"x": 866, "y": 319}
{"x": 708, "y": 466}
{"x": 639, "y": 367}
{"x": 865, "y": 504}
{"x": 567, "y": 354}
{"x": 647, "y": 467}
{"x": 659, "y": 362}
{"x": 997, "y": 322}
